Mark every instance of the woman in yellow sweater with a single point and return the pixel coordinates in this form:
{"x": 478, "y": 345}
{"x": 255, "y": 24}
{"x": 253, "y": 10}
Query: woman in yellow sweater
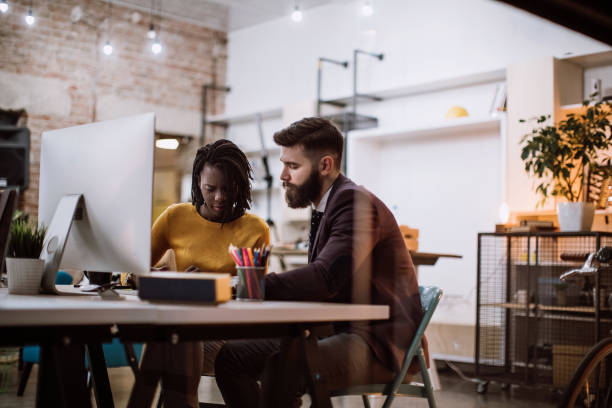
{"x": 200, "y": 233}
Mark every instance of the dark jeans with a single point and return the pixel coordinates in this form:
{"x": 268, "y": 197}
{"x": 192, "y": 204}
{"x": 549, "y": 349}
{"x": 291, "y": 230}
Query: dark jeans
{"x": 346, "y": 360}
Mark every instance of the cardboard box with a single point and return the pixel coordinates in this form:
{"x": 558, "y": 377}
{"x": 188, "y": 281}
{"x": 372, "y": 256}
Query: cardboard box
{"x": 566, "y": 359}
{"x": 411, "y": 237}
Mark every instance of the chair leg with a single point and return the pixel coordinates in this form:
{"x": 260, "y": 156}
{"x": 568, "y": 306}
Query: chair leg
{"x": 131, "y": 357}
{"x": 25, "y": 374}
{"x": 160, "y": 400}
{"x": 366, "y": 400}
{"x": 426, "y": 380}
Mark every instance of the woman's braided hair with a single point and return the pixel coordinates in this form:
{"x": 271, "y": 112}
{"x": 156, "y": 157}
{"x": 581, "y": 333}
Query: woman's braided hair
{"x": 227, "y": 157}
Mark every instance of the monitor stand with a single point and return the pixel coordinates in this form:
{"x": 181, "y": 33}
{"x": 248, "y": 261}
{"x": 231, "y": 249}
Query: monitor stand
{"x": 69, "y": 208}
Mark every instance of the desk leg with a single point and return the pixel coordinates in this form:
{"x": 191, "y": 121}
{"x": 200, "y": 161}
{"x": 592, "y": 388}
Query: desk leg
{"x": 279, "y": 381}
{"x": 102, "y": 389}
{"x": 146, "y": 381}
{"x": 62, "y": 376}
{"x": 319, "y": 393}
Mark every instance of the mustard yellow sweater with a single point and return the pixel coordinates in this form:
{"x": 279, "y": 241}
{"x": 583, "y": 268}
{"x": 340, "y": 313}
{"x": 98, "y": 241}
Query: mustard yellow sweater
{"x": 202, "y": 243}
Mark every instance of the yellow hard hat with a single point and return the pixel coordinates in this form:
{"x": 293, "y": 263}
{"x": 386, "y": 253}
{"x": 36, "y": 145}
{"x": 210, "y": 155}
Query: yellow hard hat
{"x": 456, "y": 112}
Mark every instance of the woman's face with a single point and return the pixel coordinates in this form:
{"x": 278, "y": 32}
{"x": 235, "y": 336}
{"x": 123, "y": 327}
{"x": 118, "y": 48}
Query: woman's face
{"x": 213, "y": 186}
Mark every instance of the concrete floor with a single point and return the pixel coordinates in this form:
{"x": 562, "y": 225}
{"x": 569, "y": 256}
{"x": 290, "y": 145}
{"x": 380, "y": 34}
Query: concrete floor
{"x": 455, "y": 393}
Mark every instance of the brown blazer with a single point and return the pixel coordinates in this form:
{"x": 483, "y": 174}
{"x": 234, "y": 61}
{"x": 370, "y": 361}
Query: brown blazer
{"x": 359, "y": 256}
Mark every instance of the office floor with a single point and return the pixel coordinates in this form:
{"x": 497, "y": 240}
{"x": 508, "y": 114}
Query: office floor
{"x": 455, "y": 393}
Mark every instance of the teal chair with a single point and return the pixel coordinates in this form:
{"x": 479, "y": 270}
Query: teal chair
{"x": 430, "y": 296}
{"x": 115, "y": 353}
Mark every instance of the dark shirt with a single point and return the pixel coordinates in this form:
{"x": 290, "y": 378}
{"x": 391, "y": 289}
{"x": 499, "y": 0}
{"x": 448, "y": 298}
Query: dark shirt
{"x": 359, "y": 256}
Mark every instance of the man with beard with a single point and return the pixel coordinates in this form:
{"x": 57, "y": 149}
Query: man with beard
{"x": 356, "y": 255}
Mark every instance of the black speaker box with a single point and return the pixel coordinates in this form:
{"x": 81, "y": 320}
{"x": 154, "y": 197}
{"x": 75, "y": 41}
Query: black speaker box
{"x": 14, "y": 157}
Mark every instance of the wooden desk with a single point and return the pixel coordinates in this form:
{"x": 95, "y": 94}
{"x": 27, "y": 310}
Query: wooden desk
{"x": 64, "y": 325}
{"x": 418, "y": 258}
{"x": 425, "y": 258}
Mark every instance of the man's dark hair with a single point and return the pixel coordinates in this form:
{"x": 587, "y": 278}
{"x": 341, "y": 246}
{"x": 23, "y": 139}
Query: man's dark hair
{"x": 317, "y": 136}
{"x": 227, "y": 157}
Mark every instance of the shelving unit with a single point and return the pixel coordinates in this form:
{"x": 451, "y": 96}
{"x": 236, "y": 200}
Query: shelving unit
{"x": 423, "y": 88}
{"x": 244, "y": 117}
{"x": 531, "y": 328}
{"x": 441, "y": 128}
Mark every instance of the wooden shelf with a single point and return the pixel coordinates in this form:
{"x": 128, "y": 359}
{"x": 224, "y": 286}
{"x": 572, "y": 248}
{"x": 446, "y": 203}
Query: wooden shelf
{"x": 519, "y": 306}
{"x": 232, "y": 119}
{"x": 442, "y": 128}
{"x": 581, "y": 309}
{"x": 533, "y": 306}
{"x": 550, "y": 264}
{"x": 421, "y": 88}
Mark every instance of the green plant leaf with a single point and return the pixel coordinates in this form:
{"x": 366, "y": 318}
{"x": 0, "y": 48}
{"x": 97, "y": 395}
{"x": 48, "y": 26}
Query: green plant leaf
{"x": 25, "y": 239}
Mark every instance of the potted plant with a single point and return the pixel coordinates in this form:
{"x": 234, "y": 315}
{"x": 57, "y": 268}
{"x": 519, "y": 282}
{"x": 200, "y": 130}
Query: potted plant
{"x": 572, "y": 162}
{"x": 24, "y": 268}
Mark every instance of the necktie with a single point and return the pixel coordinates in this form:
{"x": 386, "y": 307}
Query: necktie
{"x": 315, "y": 220}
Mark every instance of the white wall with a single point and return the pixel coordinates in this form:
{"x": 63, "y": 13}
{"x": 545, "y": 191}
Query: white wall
{"x": 275, "y": 63}
{"x": 450, "y": 186}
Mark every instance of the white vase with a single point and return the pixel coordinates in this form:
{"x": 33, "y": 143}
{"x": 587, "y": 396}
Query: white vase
{"x": 24, "y": 275}
{"x": 575, "y": 216}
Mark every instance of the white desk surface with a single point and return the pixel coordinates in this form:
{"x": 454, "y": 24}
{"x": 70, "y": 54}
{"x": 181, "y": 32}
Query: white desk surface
{"x": 50, "y": 310}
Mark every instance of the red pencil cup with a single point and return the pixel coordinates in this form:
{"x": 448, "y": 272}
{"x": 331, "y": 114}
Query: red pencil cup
{"x": 250, "y": 283}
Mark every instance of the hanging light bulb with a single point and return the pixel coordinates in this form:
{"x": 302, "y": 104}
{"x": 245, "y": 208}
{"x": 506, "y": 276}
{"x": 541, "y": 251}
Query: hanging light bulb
{"x": 156, "y": 48}
{"x": 29, "y": 18}
{"x": 4, "y": 6}
{"x": 108, "y": 48}
{"x": 367, "y": 9}
{"x": 297, "y": 14}
{"x": 151, "y": 34}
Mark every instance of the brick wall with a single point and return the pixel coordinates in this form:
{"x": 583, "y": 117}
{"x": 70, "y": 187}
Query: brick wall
{"x": 57, "y": 72}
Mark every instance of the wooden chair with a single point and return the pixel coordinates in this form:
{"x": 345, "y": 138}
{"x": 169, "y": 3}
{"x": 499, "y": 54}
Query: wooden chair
{"x": 430, "y": 296}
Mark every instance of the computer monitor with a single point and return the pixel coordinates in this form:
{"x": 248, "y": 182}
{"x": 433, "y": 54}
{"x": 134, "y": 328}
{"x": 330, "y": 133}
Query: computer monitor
{"x": 102, "y": 173}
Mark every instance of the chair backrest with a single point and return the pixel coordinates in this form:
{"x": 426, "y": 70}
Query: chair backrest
{"x": 430, "y": 297}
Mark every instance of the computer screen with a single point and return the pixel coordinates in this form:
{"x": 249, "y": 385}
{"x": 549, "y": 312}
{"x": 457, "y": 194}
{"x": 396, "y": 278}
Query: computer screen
{"x": 111, "y": 164}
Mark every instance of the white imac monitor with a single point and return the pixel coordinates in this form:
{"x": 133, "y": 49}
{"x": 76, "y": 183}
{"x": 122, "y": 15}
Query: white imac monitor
{"x": 95, "y": 196}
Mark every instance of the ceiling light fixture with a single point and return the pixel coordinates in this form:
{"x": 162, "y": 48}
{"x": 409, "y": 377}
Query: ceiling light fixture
{"x": 297, "y": 13}
{"x": 4, "y": 6}
{"x": 108, "y": 48}
{"x": 367, "y": 9}
{"x": 156, "y": 48}
{"x": 29, "y": 18}
{"x": 151, "y": 34}
{"x": 169, "y": 144}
